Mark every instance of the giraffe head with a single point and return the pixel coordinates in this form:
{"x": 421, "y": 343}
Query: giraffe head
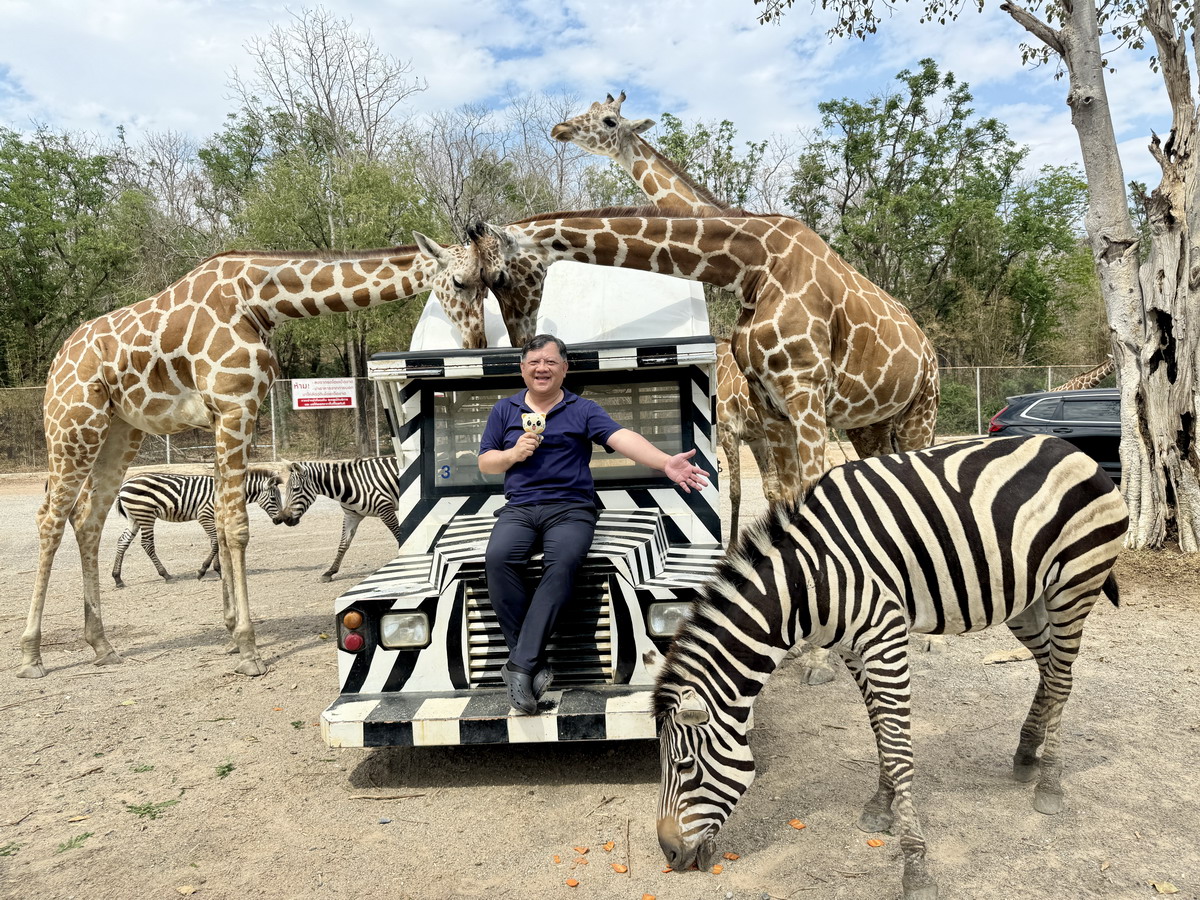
{"x": 602, "y": 130}
{"x": 459, "y": 286}
{"x": 515, "y": 274}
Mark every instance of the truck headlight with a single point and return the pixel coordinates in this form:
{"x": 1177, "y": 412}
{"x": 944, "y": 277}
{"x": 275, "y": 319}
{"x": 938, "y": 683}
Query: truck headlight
{"x": 404, "y": 630}
{"x": 664, "y": 619}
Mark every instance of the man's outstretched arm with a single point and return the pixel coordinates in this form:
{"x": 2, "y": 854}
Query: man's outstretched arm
{"x": 678, "y": 467}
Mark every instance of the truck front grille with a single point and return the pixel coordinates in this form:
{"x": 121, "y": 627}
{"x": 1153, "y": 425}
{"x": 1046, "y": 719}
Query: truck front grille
{"x": 580, "y": 650}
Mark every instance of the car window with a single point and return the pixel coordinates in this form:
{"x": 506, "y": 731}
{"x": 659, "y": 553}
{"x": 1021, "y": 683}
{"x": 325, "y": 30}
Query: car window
{"x": 1043, "y": 409}
{"x": 1091, "y": 410}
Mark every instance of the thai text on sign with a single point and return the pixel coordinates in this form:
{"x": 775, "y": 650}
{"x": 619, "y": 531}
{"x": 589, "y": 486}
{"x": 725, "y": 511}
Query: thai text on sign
{"x": 323, "y": 393}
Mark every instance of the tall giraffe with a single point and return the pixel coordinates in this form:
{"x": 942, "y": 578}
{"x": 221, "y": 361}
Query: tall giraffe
{"x": 604, "y": 131}
{"x": 1090, "y": 378}
{"x": 198, "y": 355}
{"x": 820, "y": 344}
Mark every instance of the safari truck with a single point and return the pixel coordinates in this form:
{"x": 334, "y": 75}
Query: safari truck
{"x": 419, "y": 646}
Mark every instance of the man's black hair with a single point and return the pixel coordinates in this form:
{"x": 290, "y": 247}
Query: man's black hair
{"x": 538, "y": 341}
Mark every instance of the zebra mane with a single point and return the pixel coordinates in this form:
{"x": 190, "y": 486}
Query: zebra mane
{"x": 264, "y": 472}
{"x": 755, "y": 542}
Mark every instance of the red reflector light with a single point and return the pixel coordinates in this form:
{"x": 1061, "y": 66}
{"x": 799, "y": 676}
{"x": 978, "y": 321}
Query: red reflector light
{"x": 993, "y": 425}
{"x": 353, "y": 642}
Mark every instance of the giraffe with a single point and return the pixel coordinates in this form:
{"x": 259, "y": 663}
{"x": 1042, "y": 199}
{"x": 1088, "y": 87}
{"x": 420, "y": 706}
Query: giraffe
{"x": 198, "y": 355}
{"x": 602, "y": 130}
{"x": 1090, "y": 378}
{"x": 820, "y": 344}
{"x": 738, "y": 421}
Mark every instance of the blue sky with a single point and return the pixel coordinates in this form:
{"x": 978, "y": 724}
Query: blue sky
{"x": 165, "y": 64}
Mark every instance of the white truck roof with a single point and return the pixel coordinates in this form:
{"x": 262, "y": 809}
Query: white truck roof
{"x": 582, "y": 303}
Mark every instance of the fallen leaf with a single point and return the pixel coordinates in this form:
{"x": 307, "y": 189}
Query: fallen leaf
{"x": 731, "y": 856}
{"x": 648, "y": 897}
{"x": 1104, "y": 866}
{"x": 277, "y": 708}
{"x": 323, "y": 636}
{"x": 1163, "y": 887}
{"x": 718, "y": 869}
{"x": 581, "y": 861}
{"x": 128, "y": 703}
{"x": 1007, "y": 656}
{"x": 571, "y": 882}
{"x": 620, "y": 869}
{"x": 78, "y": 818}
{"x": 874, "y": 842}
{"x": 556, "y": 859}
{"x": 797, "y": 824}
{"x": 608, "y": 846}
{"x": 580, "y": 849}
{"x": 668, "y": 869}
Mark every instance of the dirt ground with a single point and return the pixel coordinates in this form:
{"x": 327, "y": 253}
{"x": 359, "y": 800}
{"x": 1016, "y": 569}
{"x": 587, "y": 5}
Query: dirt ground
{"x": 169, "y": 776}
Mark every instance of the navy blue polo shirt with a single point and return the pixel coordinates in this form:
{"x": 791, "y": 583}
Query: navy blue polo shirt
{"x": 557, "y": 471}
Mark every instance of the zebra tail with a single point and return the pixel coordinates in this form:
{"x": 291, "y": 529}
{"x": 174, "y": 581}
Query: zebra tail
{"x": 1111, "y": 591}
{"x": 121, "y": 508}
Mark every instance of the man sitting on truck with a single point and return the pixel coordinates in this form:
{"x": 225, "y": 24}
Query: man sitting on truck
{"x": 541, "y": 440}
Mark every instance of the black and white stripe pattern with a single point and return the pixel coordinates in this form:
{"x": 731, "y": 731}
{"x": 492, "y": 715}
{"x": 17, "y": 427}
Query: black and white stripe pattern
{"x": 362, "y": 487}
{"x": 1023, "y": 531}
{"x": 144, "y": 499}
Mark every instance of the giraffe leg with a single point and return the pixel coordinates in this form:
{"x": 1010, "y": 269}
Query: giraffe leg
{"x": 766, "y": 468}
{"x": 233, "y": 432}
{"x": 350, "y": 523}
{"x": 915, "y": 427}
{"x": 123, "y": 543}
{"x": 733, "y": 482}
{"x": 872, "y": 440}
{"x": 117, "y": 452}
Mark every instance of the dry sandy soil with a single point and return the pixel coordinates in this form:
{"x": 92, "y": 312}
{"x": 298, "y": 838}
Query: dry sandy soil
{"x": 170, "y": 776}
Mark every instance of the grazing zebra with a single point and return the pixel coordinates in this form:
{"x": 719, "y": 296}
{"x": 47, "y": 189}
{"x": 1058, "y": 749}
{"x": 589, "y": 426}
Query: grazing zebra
{"x": 144, "y": 499}
{"x": 363, "y": 487}
{"x": 951, "y": 539}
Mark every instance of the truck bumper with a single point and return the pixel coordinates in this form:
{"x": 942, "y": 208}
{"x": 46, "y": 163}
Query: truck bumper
{"x": 483, "y": 716}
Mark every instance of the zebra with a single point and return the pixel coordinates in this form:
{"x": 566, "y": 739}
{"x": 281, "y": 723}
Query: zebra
{"x": 944, "y": 540}
{"x": 369, "y": 486}
{"x": 146, "y": 498}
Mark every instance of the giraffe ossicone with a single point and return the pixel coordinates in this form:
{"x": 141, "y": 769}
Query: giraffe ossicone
{"x": 197, "y": 355}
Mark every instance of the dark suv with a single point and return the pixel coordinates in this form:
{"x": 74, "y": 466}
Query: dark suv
{"x": 1091, "y": 420}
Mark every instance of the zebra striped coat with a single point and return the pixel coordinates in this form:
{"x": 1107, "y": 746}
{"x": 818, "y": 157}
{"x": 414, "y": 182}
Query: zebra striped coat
{"x": 364, "y": 487}
{"x": 146, "y": 498}
{"x": 951, "y": 539}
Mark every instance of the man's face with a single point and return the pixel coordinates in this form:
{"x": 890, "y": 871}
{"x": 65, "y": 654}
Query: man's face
{"x": 543, "y": 370}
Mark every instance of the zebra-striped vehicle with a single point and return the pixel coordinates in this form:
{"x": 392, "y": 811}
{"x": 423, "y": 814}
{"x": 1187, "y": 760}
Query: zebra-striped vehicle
{"x": 146, "y": 498}
{"x": 952, "y": 539}
{"x": 419, "y": 645}
{"x": 367, "y": 487}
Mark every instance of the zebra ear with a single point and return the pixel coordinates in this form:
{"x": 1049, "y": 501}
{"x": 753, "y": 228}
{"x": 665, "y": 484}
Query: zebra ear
{"x": 692, "y": 710}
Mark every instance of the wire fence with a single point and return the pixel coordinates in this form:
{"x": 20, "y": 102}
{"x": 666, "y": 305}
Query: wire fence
{"x": 971, "y": 395}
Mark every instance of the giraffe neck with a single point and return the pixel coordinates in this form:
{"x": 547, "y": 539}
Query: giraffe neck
{"x": 669, "y": 246}
{"x": 664, "y": 183}
{"x": 282, "y": 287}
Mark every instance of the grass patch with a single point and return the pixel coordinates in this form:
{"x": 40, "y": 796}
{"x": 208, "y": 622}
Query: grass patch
{"x": 9, "y": 849}
{"x": 299, "y": 723}
{"x": 74, "y": 843}
{"x": 151, "y": 810}
{"x": 141, "y": 769}
{"x": 225, "y": 768}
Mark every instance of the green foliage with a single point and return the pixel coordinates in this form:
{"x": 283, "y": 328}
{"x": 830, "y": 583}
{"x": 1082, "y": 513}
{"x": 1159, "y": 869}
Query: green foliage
{"x": 709, "y": 157}
{"x": 225, "y": 768}
{"x": 298, "y": 724}
{"x": 9, "y": 849}
{"x": 150, "y": 810}
{"x": 141, "y": 768}
{"x": 74, "y": 843}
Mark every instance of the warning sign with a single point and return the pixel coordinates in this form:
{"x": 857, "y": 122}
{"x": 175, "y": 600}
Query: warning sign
{"x": 323, "y": 393}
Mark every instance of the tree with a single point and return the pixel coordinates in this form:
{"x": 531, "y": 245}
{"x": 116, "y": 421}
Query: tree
{"x": 1151, "y": 305}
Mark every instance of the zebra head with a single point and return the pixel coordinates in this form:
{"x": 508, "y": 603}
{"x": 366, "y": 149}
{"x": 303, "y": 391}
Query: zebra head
{"x": 262, "y": 487}
{"x": 301, "y": 492}
{"x": 706, "y": 767}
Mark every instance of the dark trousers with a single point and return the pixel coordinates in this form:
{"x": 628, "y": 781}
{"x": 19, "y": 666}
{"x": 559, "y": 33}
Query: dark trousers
{"x": 564, "y": 533}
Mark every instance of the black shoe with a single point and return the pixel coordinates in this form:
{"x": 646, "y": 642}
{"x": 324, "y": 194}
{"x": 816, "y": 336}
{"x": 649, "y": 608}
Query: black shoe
{"x": 520, "y": 689}
{"x": 542, "y": 681}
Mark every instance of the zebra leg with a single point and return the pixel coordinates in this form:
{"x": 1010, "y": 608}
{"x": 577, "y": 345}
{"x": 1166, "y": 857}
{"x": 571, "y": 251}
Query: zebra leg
{"x": 148, "y": 546}
{"x": 209, "y": 524}
{"x": 889, "y": 705}
{"x": 876, "y": 815}
{"x": 123, "y": 543}
{"x": 350, "y": 522}
{"x": 1032, "y": 629}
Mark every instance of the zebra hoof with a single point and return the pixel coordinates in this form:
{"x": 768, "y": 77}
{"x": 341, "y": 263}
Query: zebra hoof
{"x": 1025, "y": 773}
{"x": 1049, "y": 803}
{"x": 111, "y": 658}
{"x": 875, "y": 821}
{"x": 327, "y": 577}
{"x": 117, "y": 582}
{"x": 168, "y": 579}
{"x": 920, "y": 892}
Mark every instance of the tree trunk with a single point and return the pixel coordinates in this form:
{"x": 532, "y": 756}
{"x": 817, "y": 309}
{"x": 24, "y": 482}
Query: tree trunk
{"x": 1149, "y": 311}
